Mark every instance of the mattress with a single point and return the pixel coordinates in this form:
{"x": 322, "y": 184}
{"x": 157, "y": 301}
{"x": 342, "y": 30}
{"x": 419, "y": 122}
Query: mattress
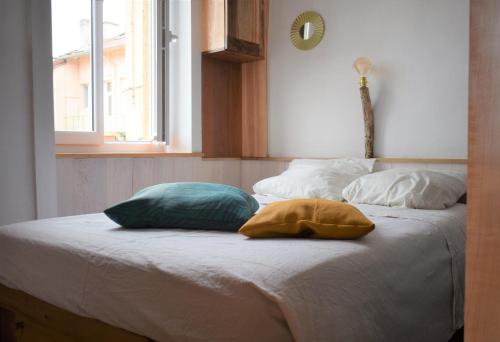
{"x": 403, "y": 281}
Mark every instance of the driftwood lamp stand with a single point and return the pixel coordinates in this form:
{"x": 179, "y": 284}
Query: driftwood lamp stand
{"x": 363, "y": 66}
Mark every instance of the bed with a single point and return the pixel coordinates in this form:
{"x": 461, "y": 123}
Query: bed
{"x": 403, "y": 281}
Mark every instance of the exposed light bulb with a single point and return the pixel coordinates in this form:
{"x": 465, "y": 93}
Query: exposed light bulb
{"x": 363, "y": 66}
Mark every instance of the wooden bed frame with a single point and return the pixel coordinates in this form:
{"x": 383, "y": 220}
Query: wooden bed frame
{"x": 26, "y": 318}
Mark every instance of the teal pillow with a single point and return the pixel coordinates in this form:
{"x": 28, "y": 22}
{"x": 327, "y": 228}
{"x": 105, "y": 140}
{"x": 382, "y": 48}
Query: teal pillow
{"x": 185, "y": 205}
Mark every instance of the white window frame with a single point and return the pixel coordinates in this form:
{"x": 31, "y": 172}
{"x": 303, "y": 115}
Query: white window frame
{"x": 161, "y": 38}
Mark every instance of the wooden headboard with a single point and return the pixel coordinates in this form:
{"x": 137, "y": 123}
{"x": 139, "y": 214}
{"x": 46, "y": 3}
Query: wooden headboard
{"x": 255, "y": 169}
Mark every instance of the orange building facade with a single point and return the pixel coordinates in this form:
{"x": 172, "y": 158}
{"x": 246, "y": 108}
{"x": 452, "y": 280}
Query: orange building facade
{"x": 126, "y": 76}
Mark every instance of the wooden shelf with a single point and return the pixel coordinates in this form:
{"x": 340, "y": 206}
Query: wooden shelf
{"x": 234, "y": 78}
{"x": 237, "y": 50}
{"x": 235, "y": 30}
{"x": 392, "y": 160}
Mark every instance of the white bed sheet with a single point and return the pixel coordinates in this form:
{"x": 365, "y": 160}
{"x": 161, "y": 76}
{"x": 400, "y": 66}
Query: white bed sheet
{"x": 403, "y": 281}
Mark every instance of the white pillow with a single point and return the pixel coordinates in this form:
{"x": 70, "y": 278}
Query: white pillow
{"x": 309, "y": 178}
{"x": 408, "y": 188}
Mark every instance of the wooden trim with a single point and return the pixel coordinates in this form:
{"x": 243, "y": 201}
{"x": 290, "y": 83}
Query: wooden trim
{"x": 201, "y": 155}
{"x": 126, "y": 155}
{"x": 234, "y": 79}
{"x": 115, "y": 147}
{"x": 254, "y": 139}
{"x": 214, "y": 30}
{"x": 243, "y": 20}
{"x": 482, "y": 276}
{"x": 381, "y": 160}
{"x": 28, "y": 318}
{"x": 422, "y": 160}
{"x": 221, "y": 108}
{"x": 220, "y": 158}
{"x": 232, "y": 30}
{"x": 243, "y": 47}
{"x": 231, "y": 56}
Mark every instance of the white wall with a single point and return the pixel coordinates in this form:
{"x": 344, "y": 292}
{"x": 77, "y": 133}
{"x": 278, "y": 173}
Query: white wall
{"x": 418, "y": 88}
{"x": 17, "y": 179}
{"x": 27, "y": 162}
{"x": 43, "y": 109}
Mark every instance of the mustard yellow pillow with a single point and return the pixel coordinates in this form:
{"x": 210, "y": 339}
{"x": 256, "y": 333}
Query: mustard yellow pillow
{"x": 315, "y": 218}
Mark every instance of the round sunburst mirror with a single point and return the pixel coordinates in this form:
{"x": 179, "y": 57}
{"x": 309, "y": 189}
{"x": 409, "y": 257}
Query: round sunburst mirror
{"x": 307, "y": 30}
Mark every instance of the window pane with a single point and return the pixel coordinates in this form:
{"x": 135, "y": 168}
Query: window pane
{"x": 71, "y": 36}
{"x": 127, "y": 74}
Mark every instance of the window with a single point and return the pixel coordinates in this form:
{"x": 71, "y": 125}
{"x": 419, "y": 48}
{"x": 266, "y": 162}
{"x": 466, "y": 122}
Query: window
{"x": 71, "y": 66}
{"x": 86, "y": 97}
{"x": 110, "y": 65}
{"x": 108, "y": 100}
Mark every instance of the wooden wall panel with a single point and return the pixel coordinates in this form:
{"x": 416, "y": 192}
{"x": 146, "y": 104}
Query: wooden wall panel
{"x": 244, "y": 20}
{"x": 254, "y": 170}
{"x": 379, "y": 166}
{"x": 119, "y": 179}
{"x": 143, "y": 173}
{"x": 254, "y": 99}
{"x": 227, "y": 171}
{"x": 254, "y": 110}
{"x": 65, "y": 186}
{"x": 90, "y": 185}
{"x": 93, "y": 184}
{"x": 482, "y": 306}
{"x": 214, "y": 30}
{"x": 87, "y": 192}
{"x": 234, "y": 81}
{"x": 221, "y": 108}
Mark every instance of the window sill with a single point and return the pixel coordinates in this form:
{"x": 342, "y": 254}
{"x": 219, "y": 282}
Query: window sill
{"x": 82, "y": 155}
{"x": 119, "y": 147}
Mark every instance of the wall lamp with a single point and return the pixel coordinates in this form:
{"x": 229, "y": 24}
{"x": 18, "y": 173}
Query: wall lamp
{"x": 363, "y": 66}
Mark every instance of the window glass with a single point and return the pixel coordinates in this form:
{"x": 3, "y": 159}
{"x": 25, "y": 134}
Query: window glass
{"x": 127, "y": 70}
{"x": 123, "y": 107}
{"x": 71, "y": 41}
{"x": 86, "y": 97}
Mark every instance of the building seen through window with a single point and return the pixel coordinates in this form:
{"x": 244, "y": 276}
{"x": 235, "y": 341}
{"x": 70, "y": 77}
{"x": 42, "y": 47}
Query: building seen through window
{"x": 126, "y": 72}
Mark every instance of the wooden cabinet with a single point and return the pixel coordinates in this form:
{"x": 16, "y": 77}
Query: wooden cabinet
{"x": 234, "y": 29}
{"x": 234, "y": 78}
